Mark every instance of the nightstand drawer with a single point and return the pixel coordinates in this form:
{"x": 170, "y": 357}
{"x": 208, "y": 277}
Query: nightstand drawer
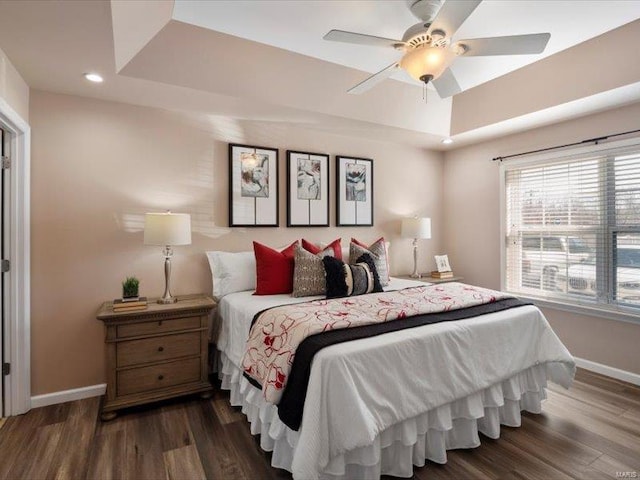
{"x": 158, "y": 326}
{"x": 147, "y": 350}
{"x": 157, "y": 377}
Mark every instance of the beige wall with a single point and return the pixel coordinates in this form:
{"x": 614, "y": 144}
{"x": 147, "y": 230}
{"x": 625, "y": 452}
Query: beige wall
{"x": 13, "y": 88}
{"x": 97, "y": 167}
{"x": 472, "y": 228}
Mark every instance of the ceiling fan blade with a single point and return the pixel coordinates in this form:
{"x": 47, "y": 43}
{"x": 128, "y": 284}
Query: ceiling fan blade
{"x": 453, "y": 14}
{"x": 361, "y": 39}
{"x": 374, "y": 79}
{"x": 446, "y": 84}
{"x": 511, "y": 45}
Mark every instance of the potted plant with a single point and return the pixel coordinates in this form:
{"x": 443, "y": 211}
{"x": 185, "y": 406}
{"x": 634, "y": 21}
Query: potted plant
{"x": 130, "y": 288}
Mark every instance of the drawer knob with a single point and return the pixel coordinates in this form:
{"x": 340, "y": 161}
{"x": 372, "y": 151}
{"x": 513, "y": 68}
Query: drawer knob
{"x": 160, "y": 377}
{"x": 161, "y": 349}
{"x": 159, "y": 323}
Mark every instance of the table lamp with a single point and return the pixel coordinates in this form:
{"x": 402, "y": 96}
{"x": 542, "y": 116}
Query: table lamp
{"x": 167, "y": 229}
{"x": 416, "y": 228}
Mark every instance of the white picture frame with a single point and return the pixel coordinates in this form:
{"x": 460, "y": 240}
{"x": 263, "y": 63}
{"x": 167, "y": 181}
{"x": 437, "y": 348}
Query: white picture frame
{"x": 442, "y": 263}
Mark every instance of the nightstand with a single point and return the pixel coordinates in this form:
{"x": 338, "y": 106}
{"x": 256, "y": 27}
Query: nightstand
{"x": 157, "y": 353}
{"x": 428, "y": 278}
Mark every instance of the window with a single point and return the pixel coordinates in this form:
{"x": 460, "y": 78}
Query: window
{"x": 573, "y": 228}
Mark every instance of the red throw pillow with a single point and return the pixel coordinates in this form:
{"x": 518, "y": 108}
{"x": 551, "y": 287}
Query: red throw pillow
{"x": 364, "y": 245}
{"x": 316, "y": 249}
{"x": 274, "y": 269}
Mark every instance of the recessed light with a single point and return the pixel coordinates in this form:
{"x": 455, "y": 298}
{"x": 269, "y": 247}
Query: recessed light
{"x": 93, "y": 77}
{"x": 447, "y": 141}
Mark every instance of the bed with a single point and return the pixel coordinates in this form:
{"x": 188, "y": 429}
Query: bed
{"x": 384, "y": 404}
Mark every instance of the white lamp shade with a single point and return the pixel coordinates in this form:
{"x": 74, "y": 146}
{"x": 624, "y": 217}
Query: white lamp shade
{"x": 416, "y": 227}
{"x": 167, "y": 229}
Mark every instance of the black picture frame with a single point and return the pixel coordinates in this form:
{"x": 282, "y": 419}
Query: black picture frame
{"x": 307, "y": 202}
{"x": 354, "y": 191}
{"x": 252, "y": 201}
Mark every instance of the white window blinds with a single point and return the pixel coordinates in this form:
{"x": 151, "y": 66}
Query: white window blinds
{"x": 573, "y": 229}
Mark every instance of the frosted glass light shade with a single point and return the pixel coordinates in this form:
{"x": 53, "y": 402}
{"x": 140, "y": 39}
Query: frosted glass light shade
{"x": 416, "y": 227}
{"x": 167, "y": 229}
{"x": 427, "y": 60}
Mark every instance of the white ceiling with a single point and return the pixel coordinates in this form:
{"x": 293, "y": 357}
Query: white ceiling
{"x": 299, "y": 26}
{"x": 52, "y": 43}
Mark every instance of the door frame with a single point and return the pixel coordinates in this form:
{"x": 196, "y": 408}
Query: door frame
{"x": 17, "y": 334}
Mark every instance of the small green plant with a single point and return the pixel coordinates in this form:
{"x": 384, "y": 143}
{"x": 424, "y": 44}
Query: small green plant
{"x": 130, "y": 287}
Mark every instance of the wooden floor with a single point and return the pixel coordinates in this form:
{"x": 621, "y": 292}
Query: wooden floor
{"x": 591, "y": 431}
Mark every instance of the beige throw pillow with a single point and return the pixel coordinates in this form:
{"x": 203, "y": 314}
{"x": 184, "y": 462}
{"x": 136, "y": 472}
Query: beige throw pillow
{"x": 378, "y": 252}
{"x": 308, "y": 272}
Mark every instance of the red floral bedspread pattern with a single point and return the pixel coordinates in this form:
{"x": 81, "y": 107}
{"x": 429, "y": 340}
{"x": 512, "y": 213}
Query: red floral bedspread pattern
{"x": 278, "y": 331}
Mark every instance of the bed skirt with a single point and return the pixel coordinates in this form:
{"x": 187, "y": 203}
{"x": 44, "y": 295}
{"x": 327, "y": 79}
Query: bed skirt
{"x": 396, "y": 450}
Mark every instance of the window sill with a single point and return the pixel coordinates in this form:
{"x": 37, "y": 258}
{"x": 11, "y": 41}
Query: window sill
{"x": 624, "y": 315}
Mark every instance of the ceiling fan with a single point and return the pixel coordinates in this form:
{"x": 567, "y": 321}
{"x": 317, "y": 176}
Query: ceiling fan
{"x": 428, "y": 49}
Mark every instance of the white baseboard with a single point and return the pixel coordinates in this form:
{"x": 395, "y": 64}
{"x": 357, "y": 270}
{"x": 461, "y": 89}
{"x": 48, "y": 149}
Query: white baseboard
{"x": 612, "y": 372}
{"x": 97, "y": 390}
{"x": 68, "y": 395}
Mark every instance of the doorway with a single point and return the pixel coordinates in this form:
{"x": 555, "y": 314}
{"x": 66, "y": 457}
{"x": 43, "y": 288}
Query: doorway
{"x": 15, "y": 242}
{"x": 5, "y": 160}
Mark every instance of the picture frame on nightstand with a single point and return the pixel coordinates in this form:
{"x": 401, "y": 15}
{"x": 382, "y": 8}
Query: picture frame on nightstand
{"x": 443, "y": 272}
{"x": 442, "y": 263}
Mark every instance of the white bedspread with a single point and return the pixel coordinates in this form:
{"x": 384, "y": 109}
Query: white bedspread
{"x": 353, "y": 391}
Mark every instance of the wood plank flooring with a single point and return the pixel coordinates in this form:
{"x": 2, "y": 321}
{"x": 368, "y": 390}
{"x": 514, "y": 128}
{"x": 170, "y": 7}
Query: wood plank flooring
{"x": 589, "y": 432}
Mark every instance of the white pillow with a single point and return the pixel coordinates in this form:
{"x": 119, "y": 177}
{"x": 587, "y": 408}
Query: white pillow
{"x": 232, "y": 272}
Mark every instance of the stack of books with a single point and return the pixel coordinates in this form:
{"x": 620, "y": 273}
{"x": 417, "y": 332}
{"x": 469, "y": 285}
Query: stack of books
{"x": 442, "y": 274}
{"x": 129, "y": 304}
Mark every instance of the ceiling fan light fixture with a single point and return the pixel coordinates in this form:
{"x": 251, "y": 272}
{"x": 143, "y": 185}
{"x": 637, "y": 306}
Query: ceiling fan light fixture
{"x": 427, "y": 63}
{"x": 428, "y": 48}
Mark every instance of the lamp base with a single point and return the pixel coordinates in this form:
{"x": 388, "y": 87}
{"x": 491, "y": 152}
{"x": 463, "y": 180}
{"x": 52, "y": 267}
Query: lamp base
{"x": 166, "y": 301}
{"x": 166, "y": 297}
{"x": 415, "y": 273}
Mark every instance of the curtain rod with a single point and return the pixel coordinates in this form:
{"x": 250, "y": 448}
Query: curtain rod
{"x": 595, "y": 140}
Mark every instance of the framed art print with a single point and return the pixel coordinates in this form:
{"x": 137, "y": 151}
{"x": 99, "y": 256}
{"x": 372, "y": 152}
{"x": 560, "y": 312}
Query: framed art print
{"x": 442, "y": 262}
{"x": 307, "y": 189}
{"x": 253, "y": 186}
{"x": 354, "y": 185}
